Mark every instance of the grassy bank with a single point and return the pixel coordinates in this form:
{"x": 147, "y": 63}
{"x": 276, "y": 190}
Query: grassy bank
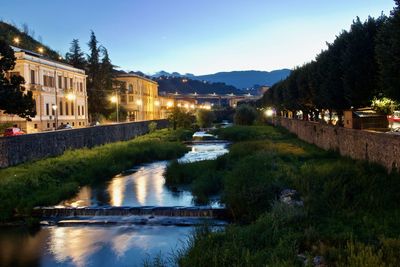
{"x": 350, "y": 215}
{"x": 48, "y": 181}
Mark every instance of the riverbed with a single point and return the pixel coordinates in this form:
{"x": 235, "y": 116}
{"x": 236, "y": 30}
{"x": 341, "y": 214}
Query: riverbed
{"x": 104, "y": 245}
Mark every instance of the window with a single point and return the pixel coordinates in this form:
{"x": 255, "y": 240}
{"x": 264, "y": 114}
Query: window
{"x": 81, "y": 86}
{"x": 131, "y": 98}
{"x": 130, "y": 88}
{"x": 66, "y": 109}
{"x": 65, "y": 83}
{"x": 79, "y": 110}
{"x": 83, "y": 110}
{"x": 53, "y": 112}
{"x": 61, "y": 108}
{"x": 48, "y": 125}
{"x": 54, "y": 124}
{"x": 35, "y": 126}
{"x": 71, "y": 83}
{"x": 60, "y": 82}
{"x": 73, "y": 123}
{"x": 47, "y": 109}
{"x": 33, "y": 77}
{"x": 48, "y": 81}
{"x": 72, "y": 108}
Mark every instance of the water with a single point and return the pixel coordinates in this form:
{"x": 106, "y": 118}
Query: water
{"x": 119, "y": 245}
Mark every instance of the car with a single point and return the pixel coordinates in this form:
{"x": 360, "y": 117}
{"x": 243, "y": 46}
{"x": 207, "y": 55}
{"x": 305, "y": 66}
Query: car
{"x": 395, "y": 117}
{"x": 13, "y": 131}
{"x": 64, "y": 127}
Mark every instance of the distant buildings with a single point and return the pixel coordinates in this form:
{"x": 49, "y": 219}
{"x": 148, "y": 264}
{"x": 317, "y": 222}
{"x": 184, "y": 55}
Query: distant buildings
{"x": 141, "y": 99}
{"x": 59, "y": 91}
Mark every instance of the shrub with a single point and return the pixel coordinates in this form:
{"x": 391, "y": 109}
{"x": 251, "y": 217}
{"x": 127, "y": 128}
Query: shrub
{"x": 152, "y": 127}
{"x": 205, "y": 118}
{"x": 245, "y": 115}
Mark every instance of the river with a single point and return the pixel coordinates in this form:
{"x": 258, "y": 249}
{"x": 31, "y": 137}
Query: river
{"x": 105, "y": 245}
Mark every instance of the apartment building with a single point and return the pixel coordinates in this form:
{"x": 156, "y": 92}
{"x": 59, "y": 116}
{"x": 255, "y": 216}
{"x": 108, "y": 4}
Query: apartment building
{"x": 59, "y": 91}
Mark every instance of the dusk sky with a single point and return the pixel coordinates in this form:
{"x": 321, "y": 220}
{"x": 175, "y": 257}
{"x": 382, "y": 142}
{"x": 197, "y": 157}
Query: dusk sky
{"x": 197, "y": 37}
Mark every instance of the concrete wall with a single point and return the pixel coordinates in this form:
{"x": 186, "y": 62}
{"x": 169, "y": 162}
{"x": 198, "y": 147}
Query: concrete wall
{"x": 18, "y": 149}
{"x": 380, "y": 148}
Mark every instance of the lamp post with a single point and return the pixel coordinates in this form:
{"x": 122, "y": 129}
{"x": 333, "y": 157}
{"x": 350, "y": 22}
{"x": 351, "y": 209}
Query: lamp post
{"x": 54, "y": 107}
{"x": 114, "y": 99}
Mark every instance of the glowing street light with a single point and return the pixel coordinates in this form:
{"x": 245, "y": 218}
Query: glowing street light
{"x": 157, "y": 103}
{"x": 71, "y": 96}
{"x": 170, "y": 104}
{"x": 269, "y": 112}
{"x": 139, "y": 102}
{"x": 41, "y": 50}
{"x": 16, "y": 40}
{"x": 114, "y": 99}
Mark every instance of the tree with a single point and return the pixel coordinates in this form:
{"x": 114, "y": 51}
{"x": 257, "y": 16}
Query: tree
{"x": 245, "y": 115}
{"x": 75, "y": 56}
{"x": 205, "y": 118}
{"x": 179, "y": 118}
{"x": 13, "y": 97}
{"x": 388, "y": 55}
{"x": 97, "y": 97}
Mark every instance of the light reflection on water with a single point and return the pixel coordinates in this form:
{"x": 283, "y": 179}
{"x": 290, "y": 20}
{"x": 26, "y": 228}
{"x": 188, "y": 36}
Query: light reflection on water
{"x": 108, "y": 245}
{"x": 146, "y": 186}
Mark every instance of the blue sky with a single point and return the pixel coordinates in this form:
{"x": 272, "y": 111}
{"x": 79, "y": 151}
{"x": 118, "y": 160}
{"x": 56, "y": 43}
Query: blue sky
{"x": 200, "y": 37}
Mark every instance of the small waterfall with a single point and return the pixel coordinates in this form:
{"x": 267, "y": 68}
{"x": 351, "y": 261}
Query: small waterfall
{"x": 201, "y": 212}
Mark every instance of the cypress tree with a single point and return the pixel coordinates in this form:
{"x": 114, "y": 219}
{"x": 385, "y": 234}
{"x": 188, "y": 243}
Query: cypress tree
{"x": 75, "y": 56}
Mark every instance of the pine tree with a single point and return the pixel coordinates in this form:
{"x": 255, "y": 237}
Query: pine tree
{"x": 13, "y": 99}
{"x": 75, "y": 57}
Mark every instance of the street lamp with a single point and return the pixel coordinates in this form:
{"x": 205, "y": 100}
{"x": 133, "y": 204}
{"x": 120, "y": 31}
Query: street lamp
{"x": 71, "y": 96}
{"x": 54, "y": 107}
{"x": 16, "y": 40}
{"x": 114, "y": 99}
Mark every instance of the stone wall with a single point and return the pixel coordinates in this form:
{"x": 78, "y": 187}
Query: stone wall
{"x": 381, "y": 148}
{"x": 23, "y": 148}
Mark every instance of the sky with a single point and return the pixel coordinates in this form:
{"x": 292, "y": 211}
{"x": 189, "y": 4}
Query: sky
{"x": 189, "y": 36}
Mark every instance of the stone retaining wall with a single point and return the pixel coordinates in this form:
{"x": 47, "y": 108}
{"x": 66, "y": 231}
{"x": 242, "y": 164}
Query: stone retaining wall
{"x": 23, "y": 148}
{"x": 381, "y": 148}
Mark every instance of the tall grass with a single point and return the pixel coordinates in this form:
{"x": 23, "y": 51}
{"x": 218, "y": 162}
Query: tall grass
{"x": 48, "y": 181}
{"x": 350, "y": 214}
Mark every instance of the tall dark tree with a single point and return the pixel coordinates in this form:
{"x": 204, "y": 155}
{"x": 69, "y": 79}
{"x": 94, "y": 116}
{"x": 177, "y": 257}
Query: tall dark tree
{"x": 388, "y": 54}
{"x": 106, "y": 70}
{"x": 13, "y": 97}
{"x": 75, "y": 56}
{"x": 97, "y": 97}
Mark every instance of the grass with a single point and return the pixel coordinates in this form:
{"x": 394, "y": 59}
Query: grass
{"x": 350, "y": 214}
{"x": 48, "y": 181}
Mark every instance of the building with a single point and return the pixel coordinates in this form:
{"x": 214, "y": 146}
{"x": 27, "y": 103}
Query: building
{"x": 365, "y": 118}
{"x": 140, "y": 99}
{"x": 58, "y": 89}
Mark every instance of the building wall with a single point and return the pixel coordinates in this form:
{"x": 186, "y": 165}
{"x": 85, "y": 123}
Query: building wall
{"x": 23, "y": 148}
{"x": 43, "y": 77}
{"x": 141, "y": 98}
{"x": 376, "y": 147}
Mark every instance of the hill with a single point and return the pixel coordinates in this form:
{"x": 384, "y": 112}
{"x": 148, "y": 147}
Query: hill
{"x": 247, "y": 79}
{"x": 9, "y": 33}
{"x": 181, "y": 85}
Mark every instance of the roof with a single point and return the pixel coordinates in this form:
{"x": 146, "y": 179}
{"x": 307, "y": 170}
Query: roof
{"x": 131, "y": 75}
{"x": 37, "y": 55}
{"x": 367, "y": 112}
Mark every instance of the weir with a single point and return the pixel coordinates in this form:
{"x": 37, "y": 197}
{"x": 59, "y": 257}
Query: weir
{"x": 202, "y": 212}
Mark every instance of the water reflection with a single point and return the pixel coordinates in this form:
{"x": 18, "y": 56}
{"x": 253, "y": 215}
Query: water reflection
{"x": 146, "y": 186}
{"x": 89, "y": 246}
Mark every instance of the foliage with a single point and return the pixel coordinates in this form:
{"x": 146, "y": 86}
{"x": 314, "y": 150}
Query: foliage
{"x": 385, "y": 105}
{"x": 179, "y": 118}
{"x": 75, "y": 56}
{"x": 205, "y": 118}
{"x": 349, "y": 215}
{"x": 13, "y": 98}
{"x": 245, "y": 115}
{"x": 48, "y": 181}
{"x": 152, "y": 126}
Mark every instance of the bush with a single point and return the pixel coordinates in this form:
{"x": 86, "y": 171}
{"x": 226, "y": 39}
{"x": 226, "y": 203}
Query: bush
{"x": 245, "y": 115}
{"x": 152, "y": 127}
{"x": 205, "y": 118}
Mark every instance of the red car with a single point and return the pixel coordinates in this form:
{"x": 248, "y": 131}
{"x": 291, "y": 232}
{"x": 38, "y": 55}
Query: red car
{"x": 12, "y": 131}
{"x": 395, "y": 117}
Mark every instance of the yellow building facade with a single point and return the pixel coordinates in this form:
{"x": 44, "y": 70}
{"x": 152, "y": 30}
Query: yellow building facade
{"x": 59, "y": 91}
{"x": 140, "y": 99}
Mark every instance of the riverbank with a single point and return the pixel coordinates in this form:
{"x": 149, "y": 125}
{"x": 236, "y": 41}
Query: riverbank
{"x": 48, "y": 181}
{"x": 346, "y": 213}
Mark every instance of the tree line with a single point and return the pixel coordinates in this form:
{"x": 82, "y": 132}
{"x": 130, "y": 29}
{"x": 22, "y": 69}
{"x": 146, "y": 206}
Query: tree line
{"x": 361, "y": 64}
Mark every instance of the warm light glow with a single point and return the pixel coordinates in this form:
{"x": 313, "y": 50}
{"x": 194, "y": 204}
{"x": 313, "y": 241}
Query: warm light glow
{"x": 54, "y": 107}
{"x": 60, "y": 58}
{"x": 71, "y": 96}
{"x": 192, "y": 106}
{"x": 113, "y": 99}
{"x": 157, "y": 103}
{"x": 187, "y": 105}
{"x": 269, "y": 112}
{"x": 139, "y": 102}
{"x": 170, "y": 104}
{"x": 41, "y": 50}
{"x": 179, "y": 105}
{"x": 16, "y": 40}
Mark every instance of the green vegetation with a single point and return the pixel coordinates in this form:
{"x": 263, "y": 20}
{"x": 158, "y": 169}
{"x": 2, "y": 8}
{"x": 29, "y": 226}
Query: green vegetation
{"x": 360, "y": 64}
{"x": 245, "y": 115}
{"x": 48, "y": 181}
{"x": 205, "y": 118}
{"x": 350, "y": 215}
